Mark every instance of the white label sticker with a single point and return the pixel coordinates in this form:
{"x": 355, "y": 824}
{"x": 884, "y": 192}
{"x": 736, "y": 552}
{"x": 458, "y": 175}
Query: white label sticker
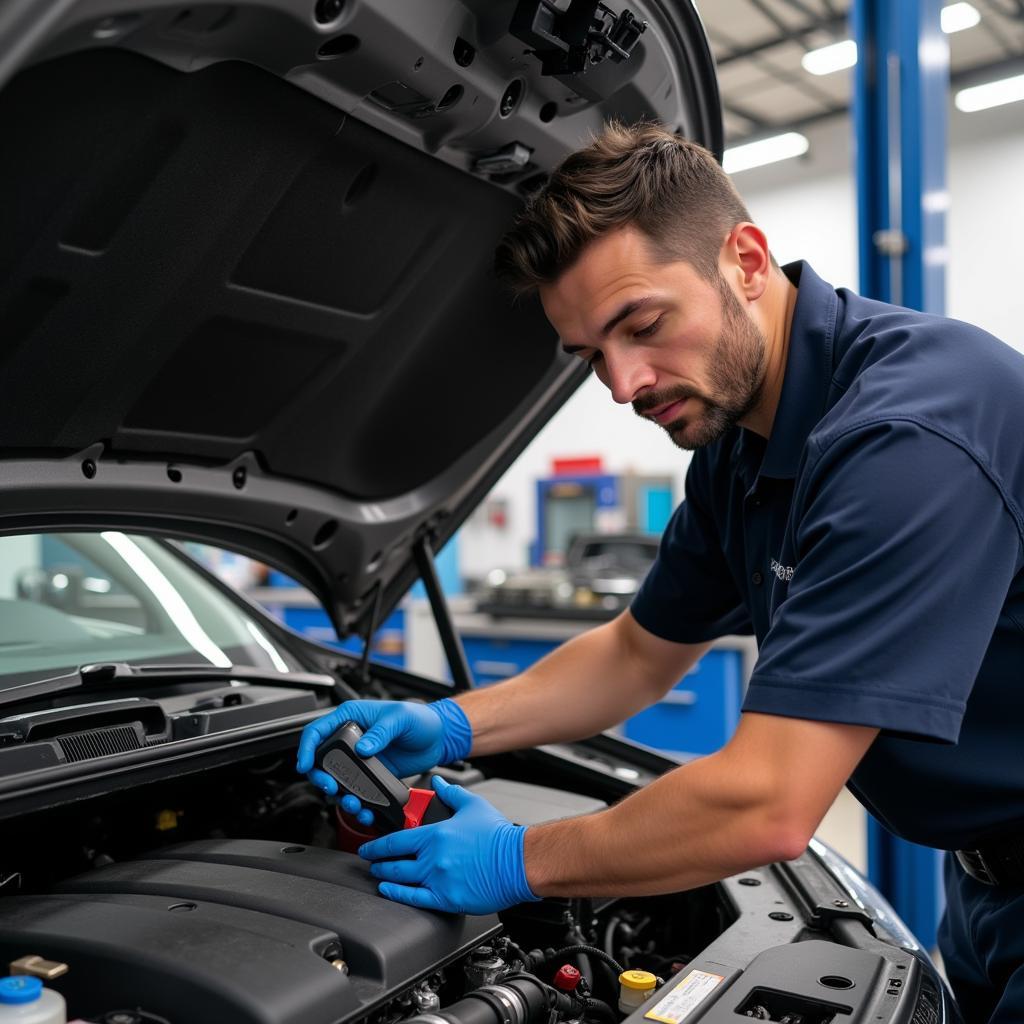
{"x": 685, "y": 997}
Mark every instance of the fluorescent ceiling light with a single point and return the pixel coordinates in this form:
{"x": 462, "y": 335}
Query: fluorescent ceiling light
{"x": 764, "y": 151}
{"x": 957, "y": 17}
{"x": 833, "y": 57}
{"x": 992, "y": 94}
{"x": 838, "y": 56}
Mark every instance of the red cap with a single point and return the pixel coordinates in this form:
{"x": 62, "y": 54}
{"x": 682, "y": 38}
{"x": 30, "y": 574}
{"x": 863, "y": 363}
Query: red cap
{"x": 567, "y": 978}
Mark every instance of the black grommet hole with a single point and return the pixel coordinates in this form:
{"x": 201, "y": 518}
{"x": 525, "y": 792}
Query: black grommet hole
{"x": 325, "y": 534}
{"x": 463, "y": 53}
{"x": 835, "y": 981}
{"x": 548, "y": 112}
{"x": 450, "y": 98}
{"x": 327, "y": 11}
{"x": 338, "y": 46}
{"x": 174, "y": 474}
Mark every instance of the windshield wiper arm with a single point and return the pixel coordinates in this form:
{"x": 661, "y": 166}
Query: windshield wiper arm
{"x": 118, "y": 674}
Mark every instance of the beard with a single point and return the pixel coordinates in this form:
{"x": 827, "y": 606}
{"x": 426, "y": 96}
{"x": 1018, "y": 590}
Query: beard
{"x": 736, "y": 370}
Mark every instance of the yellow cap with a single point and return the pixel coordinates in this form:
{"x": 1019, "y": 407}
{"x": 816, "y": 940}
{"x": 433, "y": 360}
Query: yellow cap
{"x": 166, "y": 820}
{"x": 641, "y": 981}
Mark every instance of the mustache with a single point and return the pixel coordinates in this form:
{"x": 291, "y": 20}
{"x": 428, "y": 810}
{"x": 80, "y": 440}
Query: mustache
{"x": 655, "y": 400}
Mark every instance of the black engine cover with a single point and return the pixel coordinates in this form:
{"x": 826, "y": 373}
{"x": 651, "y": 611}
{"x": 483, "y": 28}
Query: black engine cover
{"x": 234, "y": 932}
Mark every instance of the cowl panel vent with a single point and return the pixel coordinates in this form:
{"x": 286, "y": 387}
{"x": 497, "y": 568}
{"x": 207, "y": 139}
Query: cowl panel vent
{"x": 84, "y": 746}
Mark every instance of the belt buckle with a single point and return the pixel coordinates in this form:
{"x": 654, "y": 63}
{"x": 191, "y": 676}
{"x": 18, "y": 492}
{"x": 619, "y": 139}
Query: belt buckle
{"x": 974, "y": 863}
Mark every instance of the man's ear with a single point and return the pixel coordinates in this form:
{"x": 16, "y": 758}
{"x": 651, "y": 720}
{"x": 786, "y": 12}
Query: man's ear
{"x": 746, "y": 261}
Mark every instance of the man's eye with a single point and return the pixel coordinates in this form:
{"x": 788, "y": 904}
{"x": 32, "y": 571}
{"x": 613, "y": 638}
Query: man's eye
{"x": 651, "y": 328}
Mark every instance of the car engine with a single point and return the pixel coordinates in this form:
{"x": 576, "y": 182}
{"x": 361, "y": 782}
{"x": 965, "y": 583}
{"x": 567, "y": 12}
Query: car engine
{"x": 259, "y": 930}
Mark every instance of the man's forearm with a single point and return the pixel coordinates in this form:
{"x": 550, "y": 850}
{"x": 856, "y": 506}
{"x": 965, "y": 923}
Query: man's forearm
{"x": 590, "y": 683}
{"x": 670, "y": 836}
{"x": 750, "y": 804}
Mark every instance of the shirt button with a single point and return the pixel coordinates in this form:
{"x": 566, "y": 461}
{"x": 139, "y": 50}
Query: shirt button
{"x": 757, "y": 579}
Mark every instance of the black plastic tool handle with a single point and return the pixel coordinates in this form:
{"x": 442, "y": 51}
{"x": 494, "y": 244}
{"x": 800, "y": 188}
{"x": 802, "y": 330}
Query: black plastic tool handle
{"x": 395, "y": 806}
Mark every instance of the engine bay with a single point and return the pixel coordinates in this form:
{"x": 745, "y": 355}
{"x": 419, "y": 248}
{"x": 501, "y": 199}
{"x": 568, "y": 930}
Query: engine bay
{"x": 224, "y": 896}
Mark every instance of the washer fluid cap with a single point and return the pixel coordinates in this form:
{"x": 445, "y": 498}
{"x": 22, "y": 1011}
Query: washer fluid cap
{"x": 639, "y": 981}
{"x": 20, "y": 989}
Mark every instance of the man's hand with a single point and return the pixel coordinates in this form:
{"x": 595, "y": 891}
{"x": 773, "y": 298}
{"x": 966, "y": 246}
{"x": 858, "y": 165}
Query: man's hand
{"x": 470, "y": 864}
{"x": 408, "y": 738}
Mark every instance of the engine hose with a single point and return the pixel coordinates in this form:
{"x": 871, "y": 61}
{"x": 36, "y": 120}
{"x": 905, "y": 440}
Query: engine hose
{"x": 600, "y": 1010}
{"x": 590, "y": 951}
{"x": 518, "y": 1000}
{"x": 518, "y": 952}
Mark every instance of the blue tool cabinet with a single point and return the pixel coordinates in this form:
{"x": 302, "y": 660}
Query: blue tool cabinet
{"x": 700, "y": 713}
{"x": 698, "y": 716}
{"x": 492, "y": 659}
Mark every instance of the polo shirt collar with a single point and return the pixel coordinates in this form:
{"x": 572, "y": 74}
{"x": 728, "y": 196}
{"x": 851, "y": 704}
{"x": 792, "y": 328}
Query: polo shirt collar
{"x": 805, "y": 386}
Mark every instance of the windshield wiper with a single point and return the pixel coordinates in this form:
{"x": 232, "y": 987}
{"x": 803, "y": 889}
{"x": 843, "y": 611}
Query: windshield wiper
{"x": 122, "y": 674}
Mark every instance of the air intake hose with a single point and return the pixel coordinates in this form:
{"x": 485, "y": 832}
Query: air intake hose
{"x": 518, "y": 1000}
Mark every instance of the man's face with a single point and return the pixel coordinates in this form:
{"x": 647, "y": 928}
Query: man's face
{"x": 682, "y": 350}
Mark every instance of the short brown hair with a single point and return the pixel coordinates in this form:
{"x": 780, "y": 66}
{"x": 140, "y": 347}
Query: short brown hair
{"x": 672, "y": 189}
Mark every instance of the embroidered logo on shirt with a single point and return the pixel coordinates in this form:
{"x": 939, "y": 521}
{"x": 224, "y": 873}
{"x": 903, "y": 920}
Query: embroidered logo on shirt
{"x": 784, "y": 572}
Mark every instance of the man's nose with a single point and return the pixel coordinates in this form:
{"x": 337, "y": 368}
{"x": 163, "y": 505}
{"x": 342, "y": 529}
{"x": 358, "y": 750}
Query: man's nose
{"x": 627, "y": 376}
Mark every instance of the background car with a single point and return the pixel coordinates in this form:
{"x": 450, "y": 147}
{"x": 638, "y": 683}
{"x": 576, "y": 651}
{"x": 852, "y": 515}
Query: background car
{"x": 601, "y": 574}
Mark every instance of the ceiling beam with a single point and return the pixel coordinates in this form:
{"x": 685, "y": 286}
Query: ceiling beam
{"x": 766, "y": 12}
{"x": 973, "y": 75}
{"x": 807, "y": 11}
{"x": 757, "y": 120}
{"x": 827, "y": 24}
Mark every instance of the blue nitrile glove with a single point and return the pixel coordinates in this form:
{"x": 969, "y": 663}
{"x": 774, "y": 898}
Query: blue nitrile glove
{"x": 470, "y": 864}
{"x": 409, "y": 739}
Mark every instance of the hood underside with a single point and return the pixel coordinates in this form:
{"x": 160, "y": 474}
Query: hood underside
{"x": 245, "y": 287}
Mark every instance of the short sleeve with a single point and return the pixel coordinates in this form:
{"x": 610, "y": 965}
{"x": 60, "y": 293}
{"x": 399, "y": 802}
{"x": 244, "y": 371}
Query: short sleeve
{"x": 905, "y": 552}
{"x": 689, "y": 595}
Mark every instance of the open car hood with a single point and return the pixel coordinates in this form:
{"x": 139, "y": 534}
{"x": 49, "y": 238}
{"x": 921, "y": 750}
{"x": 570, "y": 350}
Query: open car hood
{"x": 245, "y": 252}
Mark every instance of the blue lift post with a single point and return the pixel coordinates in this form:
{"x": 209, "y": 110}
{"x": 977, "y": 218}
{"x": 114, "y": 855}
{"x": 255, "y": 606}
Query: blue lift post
{"x": 901, "y": 89}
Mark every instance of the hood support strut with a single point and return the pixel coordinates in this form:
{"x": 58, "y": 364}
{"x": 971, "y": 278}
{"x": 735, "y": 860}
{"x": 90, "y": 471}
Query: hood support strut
{"x": 457, "y": 664}
{"x": 360, "y": 676}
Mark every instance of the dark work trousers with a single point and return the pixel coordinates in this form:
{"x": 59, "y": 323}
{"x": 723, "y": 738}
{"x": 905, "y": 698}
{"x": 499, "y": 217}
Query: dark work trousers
{"x": 981, "y": 939}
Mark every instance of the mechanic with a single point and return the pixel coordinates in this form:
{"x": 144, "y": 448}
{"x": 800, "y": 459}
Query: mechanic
{"x": 855, "y": 500}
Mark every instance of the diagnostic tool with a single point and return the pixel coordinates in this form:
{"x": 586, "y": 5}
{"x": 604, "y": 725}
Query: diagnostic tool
{"x": 395, "y": 806}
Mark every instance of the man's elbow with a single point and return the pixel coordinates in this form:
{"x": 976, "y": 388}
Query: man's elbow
{"x": 782, "y": 835}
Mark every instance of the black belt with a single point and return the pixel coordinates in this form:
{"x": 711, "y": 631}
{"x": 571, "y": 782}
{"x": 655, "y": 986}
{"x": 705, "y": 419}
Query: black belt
{"x": 996, "y": 863}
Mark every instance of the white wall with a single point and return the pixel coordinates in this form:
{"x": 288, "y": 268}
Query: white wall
{"x": 590, "y": 423}
{"x": 986, "y": 222}
{"x": 807, "y": 208}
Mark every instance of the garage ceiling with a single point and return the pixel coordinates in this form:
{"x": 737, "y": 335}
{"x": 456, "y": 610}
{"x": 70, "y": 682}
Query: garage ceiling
{"x": 759, "y": 43}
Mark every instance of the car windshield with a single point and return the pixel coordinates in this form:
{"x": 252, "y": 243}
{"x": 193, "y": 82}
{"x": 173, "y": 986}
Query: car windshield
{"x": 67, "y": 599}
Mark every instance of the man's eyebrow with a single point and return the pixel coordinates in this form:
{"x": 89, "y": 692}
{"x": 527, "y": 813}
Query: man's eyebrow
{"x": 625, "y": 310}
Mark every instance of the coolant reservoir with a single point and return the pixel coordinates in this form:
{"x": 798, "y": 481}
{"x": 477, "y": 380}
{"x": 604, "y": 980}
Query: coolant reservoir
{"x": 635, "y": 987}
{"x": 25, "y": 1000}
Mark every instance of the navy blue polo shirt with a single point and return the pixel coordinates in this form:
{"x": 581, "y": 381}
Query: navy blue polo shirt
{"x": 875, "y": 546}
